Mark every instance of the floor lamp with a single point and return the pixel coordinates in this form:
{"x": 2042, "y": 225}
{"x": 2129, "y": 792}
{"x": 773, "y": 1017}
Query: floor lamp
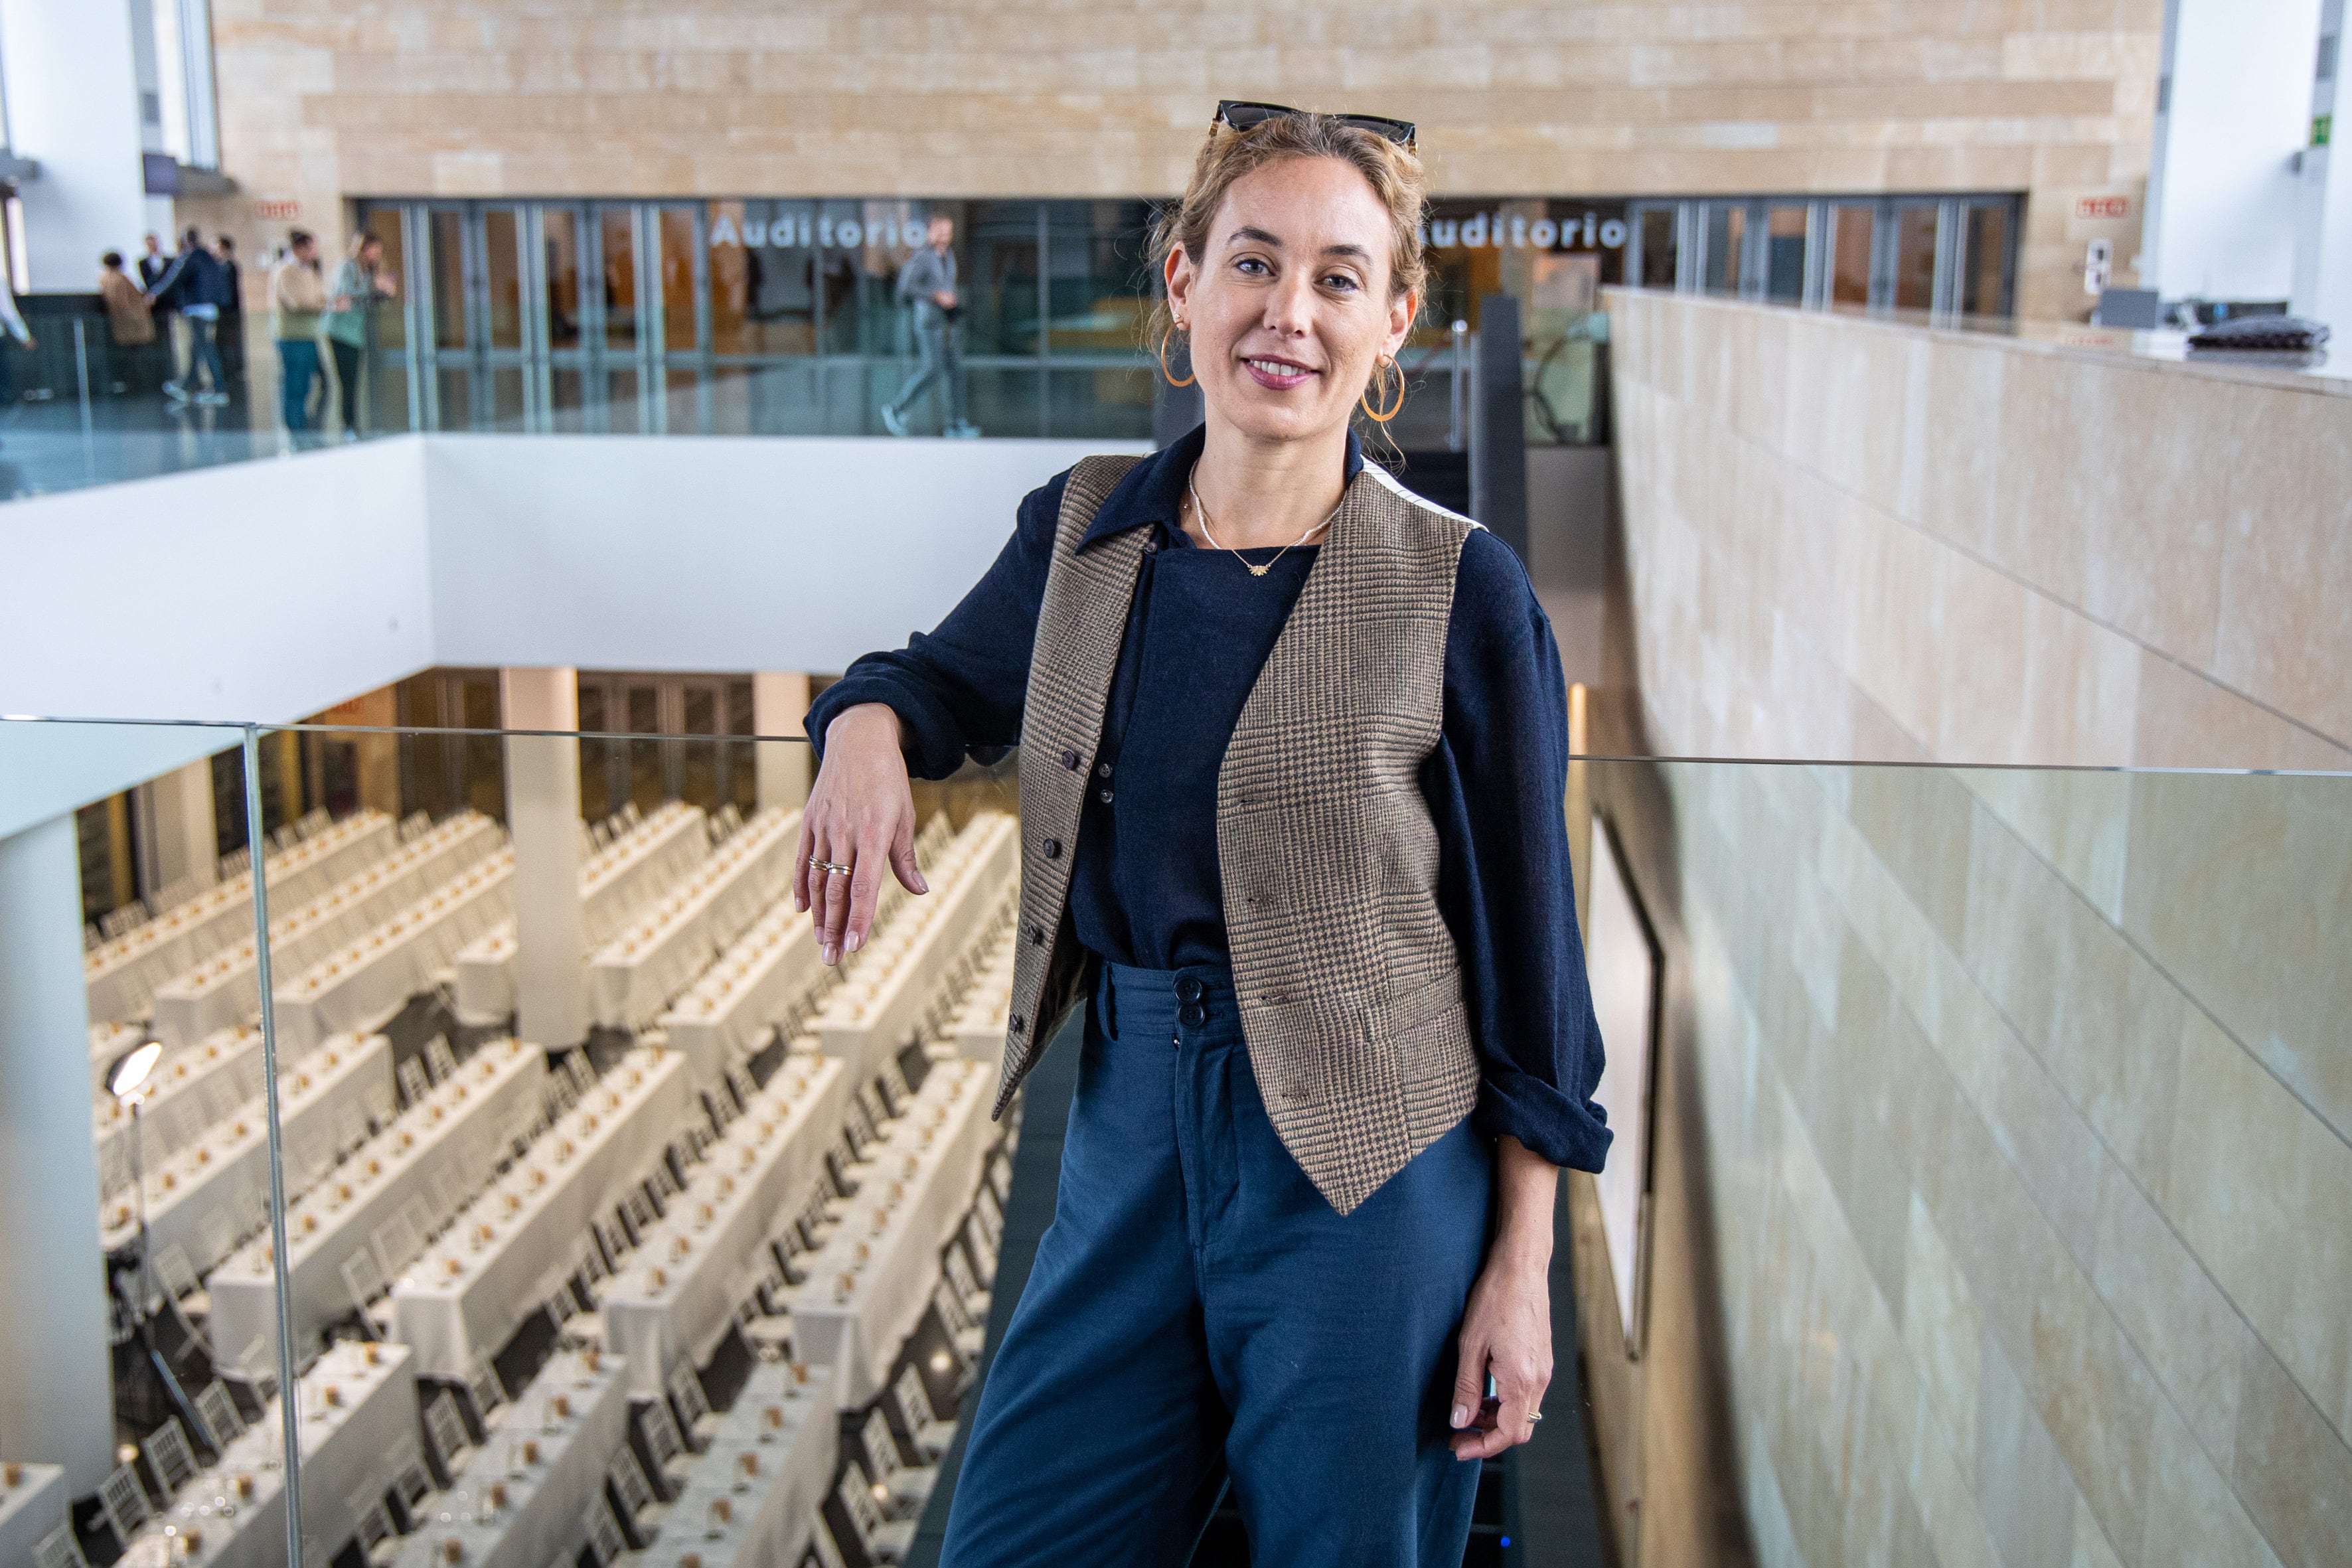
{"x": 127, "y": 1081}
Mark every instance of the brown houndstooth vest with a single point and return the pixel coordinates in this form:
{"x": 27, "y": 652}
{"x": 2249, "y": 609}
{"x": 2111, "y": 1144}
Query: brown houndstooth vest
{"x": 1349, "y": 986}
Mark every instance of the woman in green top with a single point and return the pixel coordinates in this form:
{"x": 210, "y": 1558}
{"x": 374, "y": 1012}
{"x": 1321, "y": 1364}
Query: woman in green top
{"x": 358, "y": 287}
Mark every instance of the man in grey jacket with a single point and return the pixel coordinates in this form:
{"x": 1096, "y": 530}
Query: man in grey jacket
{"x": 927, "y": 284}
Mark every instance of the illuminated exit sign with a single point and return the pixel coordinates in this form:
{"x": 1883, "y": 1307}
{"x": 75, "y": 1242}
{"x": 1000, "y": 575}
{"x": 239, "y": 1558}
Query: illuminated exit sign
{"x": 2101, "y": 207}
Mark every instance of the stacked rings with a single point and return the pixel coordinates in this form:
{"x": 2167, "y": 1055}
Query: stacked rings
{"x": 829, "y": 868}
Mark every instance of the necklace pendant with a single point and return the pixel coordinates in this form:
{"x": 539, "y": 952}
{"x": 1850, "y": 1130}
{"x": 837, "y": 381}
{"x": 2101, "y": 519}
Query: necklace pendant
{"x": 1259, "y": 571}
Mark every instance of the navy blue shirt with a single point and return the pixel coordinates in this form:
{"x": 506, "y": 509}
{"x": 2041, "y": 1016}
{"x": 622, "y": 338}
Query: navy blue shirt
{"x": 1145, "y": 885}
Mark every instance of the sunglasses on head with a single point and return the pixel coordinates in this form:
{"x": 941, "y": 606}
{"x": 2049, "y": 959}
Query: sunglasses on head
{"x": 1242, "y": 116}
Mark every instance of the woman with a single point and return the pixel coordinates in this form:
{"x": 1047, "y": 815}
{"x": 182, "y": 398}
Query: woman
{"x": 359, "y": 288}
{"x": 1293, "y": 757}
{"x": 129, "y": 323}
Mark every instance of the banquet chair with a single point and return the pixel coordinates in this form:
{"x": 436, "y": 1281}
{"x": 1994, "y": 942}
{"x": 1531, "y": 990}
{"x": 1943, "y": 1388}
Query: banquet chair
{"x": 1000, "y": 1176}
{"x": 739, "y": 1083}
{"x": 907, "y": 1485}
{"x": 411, "y": 1483}
{"x": 254, "y": 1368}
{"x": 878, "y": 1538}
{"x": 182, "y": 1290}
{"x": 487, "y": 1392}
{"x": 579, "y": 1070}
{"x": 444, "y": 1435}
{"x": 609, "y": 1241}
{"x": 58, "y": 1549}
{"x": 419, "y": 1216}
{"x": 440, "y": 1061}
{"x": 922, "y": 1424}
{"x": 414, "y": 1085}
{"x": 364, "y": 1282}
{"x": 381, "y": 1103}
{"x": 606, "y": 1543}
{"x": 968, "y": 1335}
{"x": 695, "y": 1416}
{"x": 396, "y": 1244}
{"x": 216, "y": 1413}
{"x": 666, "y": 1448}
{"x": 168, "y": 1459}
{"x": 638, "y": 1214}
{"x": 966, "y": 1285}
{"x": 982, "y": 1250}
{"x": 641, "y": 1511}
{"x": 377, "y": 1543}
{"x": 124, "y": 1503}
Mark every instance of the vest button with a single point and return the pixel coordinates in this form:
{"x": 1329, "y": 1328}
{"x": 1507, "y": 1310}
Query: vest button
{"x": 1014, "y": 1022}
{"x": 1070, "y": 759}
{"x": 1053, "y": 848}
{"x": 1037, "y": 934}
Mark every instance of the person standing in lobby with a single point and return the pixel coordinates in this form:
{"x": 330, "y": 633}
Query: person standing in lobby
{"x": 232, "y": 316}
{"x": 130, "y": 327}
{"x": 927, "y": 287}
{"x": 1293, "y": 744}
{"x": 360, "y": 286}
{"x": 197, "y": 285}
{"x": 298, "y": 298}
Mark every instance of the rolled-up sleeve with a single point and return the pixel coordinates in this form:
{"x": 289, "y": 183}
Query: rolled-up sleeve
{"x": 1497, "y": 784}
{"x": 961, "y": 688}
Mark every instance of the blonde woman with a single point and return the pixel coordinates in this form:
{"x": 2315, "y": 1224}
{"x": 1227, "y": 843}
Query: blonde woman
{"x": 1291, "y": 759}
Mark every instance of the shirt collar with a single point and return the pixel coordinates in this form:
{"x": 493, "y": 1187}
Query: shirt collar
{"x": 1153, "y": 490}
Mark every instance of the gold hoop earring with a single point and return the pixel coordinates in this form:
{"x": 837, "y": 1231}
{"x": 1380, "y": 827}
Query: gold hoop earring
{"x": 1163, "y": 362}
{"x": 1381, "y": 369}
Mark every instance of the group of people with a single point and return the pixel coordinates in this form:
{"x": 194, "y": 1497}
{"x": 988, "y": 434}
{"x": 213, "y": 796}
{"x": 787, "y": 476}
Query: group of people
{"x": 203, "y": 286}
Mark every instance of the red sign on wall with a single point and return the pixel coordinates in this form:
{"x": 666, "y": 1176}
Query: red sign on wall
{"x": 2101, "y": 207}
{"x": 277, "y": 212}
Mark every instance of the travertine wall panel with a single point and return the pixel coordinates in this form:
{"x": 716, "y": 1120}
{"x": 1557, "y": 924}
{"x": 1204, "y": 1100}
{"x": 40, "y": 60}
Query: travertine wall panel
{"x": 2026, "y": 1099}
{"x": 322, "y": 100}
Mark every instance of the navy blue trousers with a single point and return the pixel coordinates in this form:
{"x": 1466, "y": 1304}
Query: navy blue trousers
{"x": 1197, "y": 1310}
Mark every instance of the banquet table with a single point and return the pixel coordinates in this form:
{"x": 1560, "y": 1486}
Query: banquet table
{"x": 871, "y": 1282}
{"x": 458, "y": 1123}
{"x": 227, "y": 1170}
{"x": 983, "y": 1018}
{"x": 675, "y": 1305}
{"x": 363, "y": 985}
{"x": 785, "y": 1424}
{"x": 35, "y": 1506}
{"x": 538, "y": 1513}
{"x": 633, "y": 975}
{"x": 499, "y": 1262}
{"x": 225, "y": 988}
{"x": 878, "y": 1007}
{"x": 358, "y": 1408}
{"x": 722, "y": 1018}
{"x": 627, "y": 872}
{"x": 190, "y": 1088}
{"x": 123, "y": 975}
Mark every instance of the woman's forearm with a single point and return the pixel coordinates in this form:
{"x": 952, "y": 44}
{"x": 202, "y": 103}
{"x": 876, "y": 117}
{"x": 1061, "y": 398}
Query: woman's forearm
{"x": 1525, "y": 1188}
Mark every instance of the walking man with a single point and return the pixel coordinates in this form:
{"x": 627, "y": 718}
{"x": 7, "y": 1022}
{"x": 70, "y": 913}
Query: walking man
{"x": 926, "y": 283}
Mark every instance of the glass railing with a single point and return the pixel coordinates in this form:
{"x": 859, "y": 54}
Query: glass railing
{"x": 1975, "y": 1131}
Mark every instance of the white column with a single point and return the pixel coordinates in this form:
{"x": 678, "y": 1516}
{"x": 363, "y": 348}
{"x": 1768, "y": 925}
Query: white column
{"x": 56, "y": 1400}
{"x": 176, "y": 813}
{"x": 72, "y": 84}
{"x": 779, "y": 699}
{"x": 543, "y": 819}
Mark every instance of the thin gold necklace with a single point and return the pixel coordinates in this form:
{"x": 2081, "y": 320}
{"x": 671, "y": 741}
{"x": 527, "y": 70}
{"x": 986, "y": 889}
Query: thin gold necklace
{"x": 1256, "y": 571}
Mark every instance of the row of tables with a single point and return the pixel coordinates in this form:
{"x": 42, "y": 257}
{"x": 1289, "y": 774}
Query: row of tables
{"x": 635, "y": 975}
{"x": 366, "y": 983}
{"x": 123, "y": 975}
{"x": 753, "y": 1497}
{"x": 192, "y": 1088}
{"x": 457, "y": 1128}
{"x": 225, "y": 988}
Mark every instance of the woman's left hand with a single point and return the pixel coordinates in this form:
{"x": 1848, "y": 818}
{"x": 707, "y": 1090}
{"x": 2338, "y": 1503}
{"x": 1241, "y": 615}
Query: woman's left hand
{"x": 1506, "y": 1326}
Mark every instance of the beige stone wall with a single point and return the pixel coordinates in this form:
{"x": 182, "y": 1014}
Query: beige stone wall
{"x": 322, "y": 100}
{"x": 2005, "y": 1117}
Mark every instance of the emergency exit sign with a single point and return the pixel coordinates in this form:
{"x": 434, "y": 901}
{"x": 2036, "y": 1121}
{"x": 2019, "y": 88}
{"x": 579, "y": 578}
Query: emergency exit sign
{"x": 2101, "y": 207}
{"x": 277, "y": 212}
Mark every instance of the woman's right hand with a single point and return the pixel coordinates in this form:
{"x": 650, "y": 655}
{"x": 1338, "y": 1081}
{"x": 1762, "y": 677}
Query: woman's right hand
{"x": 861, "y": 814}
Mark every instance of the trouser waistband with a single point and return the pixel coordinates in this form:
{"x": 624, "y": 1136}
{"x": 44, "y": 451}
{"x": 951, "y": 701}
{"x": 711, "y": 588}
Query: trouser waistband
{"x": 1192, "y": 996}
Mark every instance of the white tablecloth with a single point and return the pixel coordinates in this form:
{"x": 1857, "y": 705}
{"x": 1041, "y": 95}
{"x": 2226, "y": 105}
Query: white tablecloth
{"x": 723, "y": 1017}
{"x": 675, "y": 1305}
{"x": 872, "y": 1281}
{"x": 192, "y": 1088}
{"x": 882, "y": 1002}
{"x": 631, "y": 870}
{"x": 544, "y": 1514}
{"x": 348, "y": 1452}
{"x": 505, "y": 1254}
{"x": 983, "y": 1018}
{"x": 789, "y": 1431}
{"x": 225, "y": 989}
{"x": 363, "y": 985}
{"x": 632, "y": 976}
{"x": 452, "y": 1127}
{"x": 226, "y": 1171}
{"x": 28, "y": 1511}
{"x": 124, "y": 973}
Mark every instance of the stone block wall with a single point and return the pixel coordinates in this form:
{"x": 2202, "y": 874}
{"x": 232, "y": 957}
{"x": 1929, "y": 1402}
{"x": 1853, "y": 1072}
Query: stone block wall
{"x": 323, "y": 101}
{"x": 2005, "y": 1115}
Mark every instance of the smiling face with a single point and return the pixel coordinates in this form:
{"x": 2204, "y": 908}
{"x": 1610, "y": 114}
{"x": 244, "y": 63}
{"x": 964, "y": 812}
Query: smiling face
{"x": 1289, "y": 306}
